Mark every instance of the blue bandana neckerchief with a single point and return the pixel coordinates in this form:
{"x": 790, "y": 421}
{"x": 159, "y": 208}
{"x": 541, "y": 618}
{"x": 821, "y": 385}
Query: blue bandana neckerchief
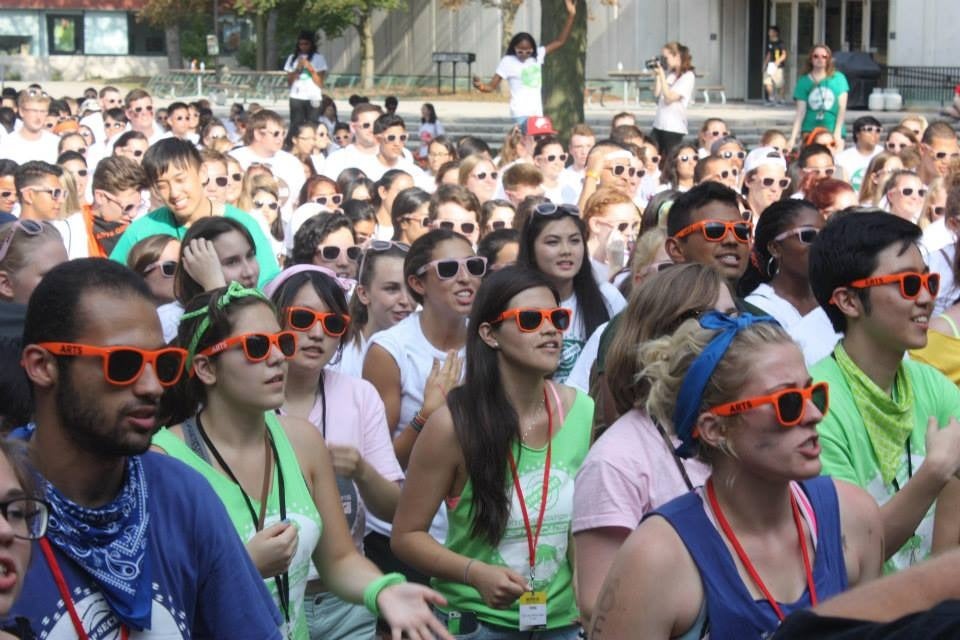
{"x": 110, "y": 544}
{"x": 698, "y": 375}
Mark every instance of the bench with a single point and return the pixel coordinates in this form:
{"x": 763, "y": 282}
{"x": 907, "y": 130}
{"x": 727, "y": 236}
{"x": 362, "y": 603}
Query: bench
{"x": 592, "y": 88}
{"x": 714, "y": 88}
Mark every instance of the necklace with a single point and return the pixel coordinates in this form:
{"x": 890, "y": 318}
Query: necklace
{"x": 532, "y": 423}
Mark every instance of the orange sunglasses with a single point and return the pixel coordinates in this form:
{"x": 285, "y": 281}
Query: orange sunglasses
{"x": 790, "y": 404}
{"x": 256, "y": 346}
{"x": 717, "y": 230}
{"x": 910, "y": 283}
{"x": 124, "y": 365}
{"x": 303, "y": 319}
{"x": 530, "y": 319}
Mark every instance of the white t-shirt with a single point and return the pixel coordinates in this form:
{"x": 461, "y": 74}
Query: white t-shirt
{"x": 813, "y": 332}
{"x": 349, "y": 157}
{"x": 854, "y": 164}
{"x": 937, "y": 236}
{"x": 283, "y": 164}
{"x": 525, "y": 80}
{"x": 170, "y": 315}
{"x": 941, "y": 261}
{"x": 73, "y": 230}
{"x": 351, "y": 358}
{"x": 303, "y": 88}
{"x": 17, "y": 148}
{"x": 575, "y": 338}
{"x": 673, "y": 116}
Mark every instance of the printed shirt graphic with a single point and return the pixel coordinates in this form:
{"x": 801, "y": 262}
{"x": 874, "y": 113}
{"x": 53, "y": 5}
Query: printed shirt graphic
{"x": 822, "y": 100}
{"x": 200, "y": 572}
{"x": 848, "y": 454}
{"x": 525, "y": 80}
{"x": 553, "y": 572}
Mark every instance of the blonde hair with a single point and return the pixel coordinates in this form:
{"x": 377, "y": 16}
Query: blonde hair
{"x": 665, "y": 362}
{"x": 257, "y": 182}
{"x": 870, "y": 192}
{"x": 468, "y": 164}
{"x": 645, "y": 250}
{"x": 937, "y": 186}
{"x": 71, "y": 202}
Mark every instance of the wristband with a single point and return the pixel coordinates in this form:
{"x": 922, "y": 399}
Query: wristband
{"x": 417, "y": 422}
{"x": 466, "y": 570}
{"x": 593, "y": 175}
{"x": 372, "y": 592}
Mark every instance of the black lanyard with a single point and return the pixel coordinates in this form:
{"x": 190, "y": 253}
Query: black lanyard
{"x": 896, "y": 485}
{"x": 676, "y": 458}
{"x": 283, "y": 580}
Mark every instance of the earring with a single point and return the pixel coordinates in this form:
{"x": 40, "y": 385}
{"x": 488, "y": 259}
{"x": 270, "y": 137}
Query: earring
{"x": 773, "y": 267}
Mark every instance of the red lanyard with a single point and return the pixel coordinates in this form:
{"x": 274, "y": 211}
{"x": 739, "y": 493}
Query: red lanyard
{"x": 728, "y": 532}
{"x": 65, "y": 593}
{"x": 533, "y": 538}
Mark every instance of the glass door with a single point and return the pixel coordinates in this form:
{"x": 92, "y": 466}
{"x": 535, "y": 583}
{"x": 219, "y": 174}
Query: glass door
{"x": 800, "y": 28}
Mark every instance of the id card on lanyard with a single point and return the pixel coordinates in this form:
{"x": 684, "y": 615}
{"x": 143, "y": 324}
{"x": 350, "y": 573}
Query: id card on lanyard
{"x": 533, "y": 604}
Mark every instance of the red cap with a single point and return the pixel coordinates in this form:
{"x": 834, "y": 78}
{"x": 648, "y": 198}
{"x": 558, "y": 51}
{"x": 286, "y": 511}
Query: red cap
{"x": 539, "y": 126}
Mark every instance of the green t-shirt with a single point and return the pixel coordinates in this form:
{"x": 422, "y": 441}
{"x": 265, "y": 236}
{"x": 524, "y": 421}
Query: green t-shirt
{"x": 847, "y": 453}
{"x": 300, "y": 507}
{"x": 823, "y": 101}
{"x": 162, "y": 222}
{"x": 554, "y": 573}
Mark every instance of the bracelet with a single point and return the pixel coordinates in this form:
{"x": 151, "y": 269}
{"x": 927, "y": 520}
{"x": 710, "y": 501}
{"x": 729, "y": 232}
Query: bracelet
{"x": 466, "y": 570}
{"x": 372, "y": 591}
{"x": 417, "y": 422}
{"x": 593, "y": 176}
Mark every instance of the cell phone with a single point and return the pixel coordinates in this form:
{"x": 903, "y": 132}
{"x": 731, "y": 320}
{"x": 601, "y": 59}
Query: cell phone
{"x": 462, "y": 622}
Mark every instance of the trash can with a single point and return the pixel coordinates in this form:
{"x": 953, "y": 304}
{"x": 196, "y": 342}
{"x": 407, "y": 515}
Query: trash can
{"x": 863, "y": 74}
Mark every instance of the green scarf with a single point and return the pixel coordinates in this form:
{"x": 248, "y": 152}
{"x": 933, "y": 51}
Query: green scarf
{"x": 887, "y": 419}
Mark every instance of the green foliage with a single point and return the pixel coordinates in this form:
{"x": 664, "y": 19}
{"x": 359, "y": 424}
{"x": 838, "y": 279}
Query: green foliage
{"x": 247, "y": 54}
{"x": 193, "y": 38}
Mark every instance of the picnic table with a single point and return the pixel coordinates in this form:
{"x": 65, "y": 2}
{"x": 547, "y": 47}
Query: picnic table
{"x": 640, "y": 78}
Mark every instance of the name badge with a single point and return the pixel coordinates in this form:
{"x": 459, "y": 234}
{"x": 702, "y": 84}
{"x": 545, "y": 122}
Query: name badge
{"x": 533, "y": 610}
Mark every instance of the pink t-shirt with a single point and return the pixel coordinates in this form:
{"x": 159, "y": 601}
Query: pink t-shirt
{"x": 356, "y": 418}
{"x": 628, "y": 473}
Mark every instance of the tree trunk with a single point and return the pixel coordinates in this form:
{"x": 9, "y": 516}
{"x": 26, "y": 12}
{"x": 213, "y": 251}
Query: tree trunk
{"x": 174, "y": 56}
{"x": 272, "y": 58}
{"x": 365, "y": 27}
{"x": 508, "y": 15}
{"x": 564, "y": 70}
{"x": 260, "y": 24}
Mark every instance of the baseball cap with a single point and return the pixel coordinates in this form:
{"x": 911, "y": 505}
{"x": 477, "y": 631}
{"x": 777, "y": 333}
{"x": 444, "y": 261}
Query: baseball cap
{"x": 538, "y": 126}
{"x": 762, "y": 156}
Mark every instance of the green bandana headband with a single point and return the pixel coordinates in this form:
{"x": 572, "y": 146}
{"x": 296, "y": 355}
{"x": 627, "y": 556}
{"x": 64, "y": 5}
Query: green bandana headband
{"x": 234, "y": 291}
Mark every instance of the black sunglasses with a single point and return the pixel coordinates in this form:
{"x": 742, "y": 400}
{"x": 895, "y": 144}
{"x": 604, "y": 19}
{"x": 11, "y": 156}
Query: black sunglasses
{"x": 331, "y": 253}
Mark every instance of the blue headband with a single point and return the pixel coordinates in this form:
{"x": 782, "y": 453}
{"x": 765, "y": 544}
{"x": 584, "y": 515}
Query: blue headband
{"x": 695, "y": 381}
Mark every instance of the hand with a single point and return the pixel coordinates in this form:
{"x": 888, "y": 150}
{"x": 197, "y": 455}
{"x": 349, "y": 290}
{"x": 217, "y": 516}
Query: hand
{"x": 499, "y": 586}
{"x": 571, "y": 7}
{"x": 442, "y": 378}
{"x": 272, "y": 549}
{"x": 478, "y": 85}
{"x": 943, "y": 448}
{"x": 406, "y": 608}
{"x": 347, "y": 461}
{"x": 201, "y": 262}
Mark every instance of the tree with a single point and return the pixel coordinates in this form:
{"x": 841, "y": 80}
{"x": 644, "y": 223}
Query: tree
{"x": 564, "y": 72}
{"x": 336, "y": 15}
{"x": 172, "y": 16}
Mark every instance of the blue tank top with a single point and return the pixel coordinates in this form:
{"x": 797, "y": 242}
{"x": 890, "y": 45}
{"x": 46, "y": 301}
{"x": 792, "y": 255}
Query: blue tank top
{"x": 731, "y": 610}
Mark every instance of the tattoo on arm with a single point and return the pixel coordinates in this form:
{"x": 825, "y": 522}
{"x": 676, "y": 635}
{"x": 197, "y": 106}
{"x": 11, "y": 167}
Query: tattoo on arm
{"x": 605, "y": 604}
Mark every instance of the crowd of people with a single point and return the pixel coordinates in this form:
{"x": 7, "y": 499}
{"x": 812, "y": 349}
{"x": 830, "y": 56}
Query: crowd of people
{"x": 269, "y": 377}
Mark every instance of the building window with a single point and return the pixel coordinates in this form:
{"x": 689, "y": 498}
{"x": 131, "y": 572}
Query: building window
{"x": 105, "y": 33}
{"x": 145, "y": 40}
{"x": 65, "y": 34}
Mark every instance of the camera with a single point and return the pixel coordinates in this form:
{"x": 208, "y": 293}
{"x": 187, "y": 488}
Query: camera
{"x": 653, "y": 62}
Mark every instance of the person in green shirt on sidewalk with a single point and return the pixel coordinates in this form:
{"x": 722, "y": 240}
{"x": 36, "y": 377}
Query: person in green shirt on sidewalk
{"x": 175, "y": 172}
{"x": 892, "y": 425}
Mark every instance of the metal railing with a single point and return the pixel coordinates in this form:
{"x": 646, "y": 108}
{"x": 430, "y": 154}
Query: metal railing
{"x": 922, "y": 84}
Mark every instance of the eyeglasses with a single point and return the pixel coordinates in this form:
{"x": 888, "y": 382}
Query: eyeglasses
{"x": 654, "y": 159}
{"x": 272, "y": 205}
{"x": 820, "y": 56}
{"x": 36, "y": 93}
{"x": 943, "y": 155}
{"x": 29, "y": 227}
{"x": 620, "y": 169}
{"x": 136, "y": 152}
{"x": 496, "y": 225}
{"x": 27, "y": 517}
{"x": 393, "y": 137}
{"x": 236, "y": 177}
{"x": 718, "y": 134}
{"x": 276, "y": 134}
{"x": 365, "y": 125}
{"x": 127, "y": 209}
{"x": 448, "y": 268}
{"x": 551, "y": 209}
{"x": 554, "y": 157}
{"x": 910, "y": 283}
{"x": 303, "y": 319}
{"x": 482, "y": 175}
{"x": 871, "y": 129}
{"x": 167, "y": 268}
{"x": 331, "y": 253}
{"x": 806, "y": 234}
{"x": 114, "y": 125}
{"x": 379, "y": 246}
{"x": 221, "y": 181}
{"x": 726, "y": 155}
{"x": 895, "y": 147}
{"x": 622, "y": 227}
{"x": 783, "y": 183}
{"x": 123, "y": 366}
{"x": 334, "y": 199}
{"x": 718, "y": 230}
{"x": 56, "y": 194}
{"x": 726, "y": 173}
{"x": 439, "y": 154}
{"x": 530, "y": 319}
{"x": 256, "y": 346}
{"x": 6, "y": 195}
{"x": 465, "y": 228}
{"x": 906, "y": 192}
{"x": 138, "y": 110}
{"x": 686, "y": 158}
{"x": 820, "y": 171}
{"x": 938, "y": 211}
{"x": 790, "y": 404}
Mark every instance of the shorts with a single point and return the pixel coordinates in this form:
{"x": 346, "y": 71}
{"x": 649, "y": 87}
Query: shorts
{"x": 484, "y": 631}
{"x": 773, "y": 76}
{"x": 330, "y": 618}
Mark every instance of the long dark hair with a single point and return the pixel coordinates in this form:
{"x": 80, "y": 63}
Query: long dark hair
{"x": 484, "y": 420}
{"x": 183, "y": 400}
{"x": 517, "y": 39}
{"x": 421, "y": 253}
{"x": 310, "y": 37}
{"x": 776, "y": 219}
{"x": 591, "y": 305}
{"x": 323, "y": 285}
{"x": 185, "y": 288}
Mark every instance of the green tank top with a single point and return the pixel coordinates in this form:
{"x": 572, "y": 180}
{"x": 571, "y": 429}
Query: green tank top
{"x": 554, "y": 573}
{"x": 300, "y": 508}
